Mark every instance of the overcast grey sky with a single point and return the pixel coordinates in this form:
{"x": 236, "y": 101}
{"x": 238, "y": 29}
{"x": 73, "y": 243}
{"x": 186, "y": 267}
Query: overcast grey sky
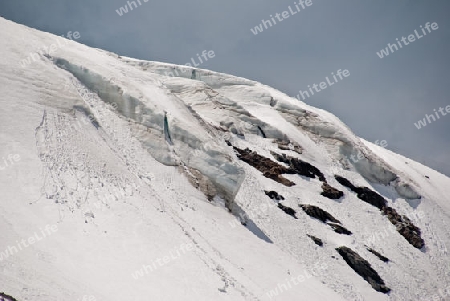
{"x": 381, "y": 99}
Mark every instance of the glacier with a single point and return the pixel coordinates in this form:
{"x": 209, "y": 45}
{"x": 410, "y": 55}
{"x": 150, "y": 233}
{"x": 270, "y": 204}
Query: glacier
{"x": 132, "y": 159}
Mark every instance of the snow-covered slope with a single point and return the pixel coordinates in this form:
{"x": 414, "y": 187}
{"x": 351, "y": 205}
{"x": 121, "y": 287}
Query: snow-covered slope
{"x": 142, "y": 181}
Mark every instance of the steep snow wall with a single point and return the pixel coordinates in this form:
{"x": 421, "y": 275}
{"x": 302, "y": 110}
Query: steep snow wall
{"x": 346, "y": 145}
{"x": 187, "y": 149}
{"x": 334, "y": 134}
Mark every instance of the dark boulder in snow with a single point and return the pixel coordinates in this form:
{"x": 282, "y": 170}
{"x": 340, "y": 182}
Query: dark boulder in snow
{"x": 363, "y": 268}
{"x": 331, "y": 192}
{"x": 381, "y": 257}
{"x": 324, "y": 217}
{"x": 364, "y": 193}
{"x": 403, "y": 224}
{"x": 405, "y": 227}
{"x": 300, "y": 167}
{"x": 5, "y": 297}
{"x": 274, "y": 195}
{"x": 316, "y": 240}
{"x": 318, "y": 213}
{"x": 339, "y": 229}
{"x": 344, "y": 182}
{"x": 269, "y": 168}
{"x": 287, "y": 210}
{"x": 371, "y": 197}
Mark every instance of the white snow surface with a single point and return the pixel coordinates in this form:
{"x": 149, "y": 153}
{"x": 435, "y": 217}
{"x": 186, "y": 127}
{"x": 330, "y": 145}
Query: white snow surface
{"x": 115, "y": 190}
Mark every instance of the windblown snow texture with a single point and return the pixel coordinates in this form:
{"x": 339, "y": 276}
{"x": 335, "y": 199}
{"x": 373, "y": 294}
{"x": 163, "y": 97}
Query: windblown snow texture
{"x": 200, "y": 186}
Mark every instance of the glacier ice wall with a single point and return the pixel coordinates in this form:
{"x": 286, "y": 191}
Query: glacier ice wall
{"x": 188, "y": 146}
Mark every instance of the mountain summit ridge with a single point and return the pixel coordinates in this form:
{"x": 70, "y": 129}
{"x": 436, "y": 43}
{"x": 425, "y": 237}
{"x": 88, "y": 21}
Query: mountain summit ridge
{"x": 130, "y": 163}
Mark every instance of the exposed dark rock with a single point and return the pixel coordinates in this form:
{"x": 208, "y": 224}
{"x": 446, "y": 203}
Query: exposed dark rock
{"x": 331, "y": 192}
{"x": 278, "y": 178}
{"x": 371, "y": 197}
{"x": 5, "y": 297}
{"x": 405, "y": 227}
{"x": 363, "y": 268}
{"x": 324, "y": 216}
{"x": 287, "y": 210}
{"x": 269, "y": 168}
{"x": 274, "y": 195}
{"x": 300, "y": 167}
{"x": 403, "y": 224}
{"x": 316, "y": 240}
{"x": 381, "y": 257}
{"x": 318, "y": 213}
{"x": 339, "y": 229}
{"x": 344, "y": 182}
{"x": 289, "y": 145}
{"x": 364, "y": 193}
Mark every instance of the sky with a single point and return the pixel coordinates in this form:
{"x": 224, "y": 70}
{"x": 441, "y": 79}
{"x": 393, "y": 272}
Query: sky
{"x": 381, "y": 99}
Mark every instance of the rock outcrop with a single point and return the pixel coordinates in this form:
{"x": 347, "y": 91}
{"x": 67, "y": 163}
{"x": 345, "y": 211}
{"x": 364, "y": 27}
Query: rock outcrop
{"x": 403, "y": 224}
{"x": 318, "y": 213}
{"x": 405, "y": 227}
{"x": 325, "y": 217}
{"x": 273, "y": 195}
{"x": 364, "y": 193}
{"x": 316, "y": 240}
{"x": 331, "y": 192}
{"x": 363, "y": 268}
{"x": 288, "y": 210}
{"x": 5, "y": 297}
{"x": 339, "y": 229}
{"x": 289, "y": 145}
{"x": 381, "y": 257}
{"x": 344, "y": 182}
{"x": 269, "y": 168}
{"x": 300, "y": 167}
